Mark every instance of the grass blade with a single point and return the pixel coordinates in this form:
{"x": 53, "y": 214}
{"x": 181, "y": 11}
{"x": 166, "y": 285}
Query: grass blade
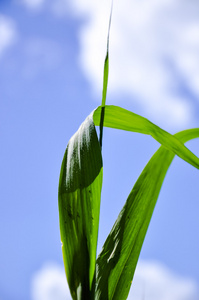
{"x": 117, "y": 262}
{"x": 79, "y": 205}
{"x": 120, "y": 118}
{"x": 105, "y": 81}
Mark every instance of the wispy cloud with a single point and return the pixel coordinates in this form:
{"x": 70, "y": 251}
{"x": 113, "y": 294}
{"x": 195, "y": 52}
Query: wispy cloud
{"x": 49, "y": 283}
{"x": 8, "y": 33}
{"x": 154, "y": 48}
{"x": 153, "y": 281}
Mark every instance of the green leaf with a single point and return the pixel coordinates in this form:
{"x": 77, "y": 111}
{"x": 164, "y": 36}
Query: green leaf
{"x": 80, "y": 186}
{"x": 117, "y": 262}
{"x": 105, "y": 81}
{"x": 120, "y": 118}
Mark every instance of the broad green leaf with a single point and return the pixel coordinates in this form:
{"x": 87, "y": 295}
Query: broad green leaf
{"x": 79, "y": 205}
{"x": 120, "y": 118}
{"x": 117, "y": 262}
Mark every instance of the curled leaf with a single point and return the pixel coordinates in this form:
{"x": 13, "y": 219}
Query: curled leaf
{"x": 79, "y": 196}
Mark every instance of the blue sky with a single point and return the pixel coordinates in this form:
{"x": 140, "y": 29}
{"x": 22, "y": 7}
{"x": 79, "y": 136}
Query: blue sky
{"x": 51, "y": 64}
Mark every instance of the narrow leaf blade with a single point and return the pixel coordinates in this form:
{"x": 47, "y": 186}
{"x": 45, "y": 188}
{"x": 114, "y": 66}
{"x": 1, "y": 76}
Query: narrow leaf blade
{"x": 120, "y": 118}
{"x": 105, "y": 81}
{"x": 79, "y": 205}
{"x": 117, "y": 262}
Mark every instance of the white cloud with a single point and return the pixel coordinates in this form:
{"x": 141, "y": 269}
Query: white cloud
{"x": 8, "y": 33}
{"x": 152, "y": 281}
{"x": 49, "y": 283}
{"x": 154, "y": 48}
